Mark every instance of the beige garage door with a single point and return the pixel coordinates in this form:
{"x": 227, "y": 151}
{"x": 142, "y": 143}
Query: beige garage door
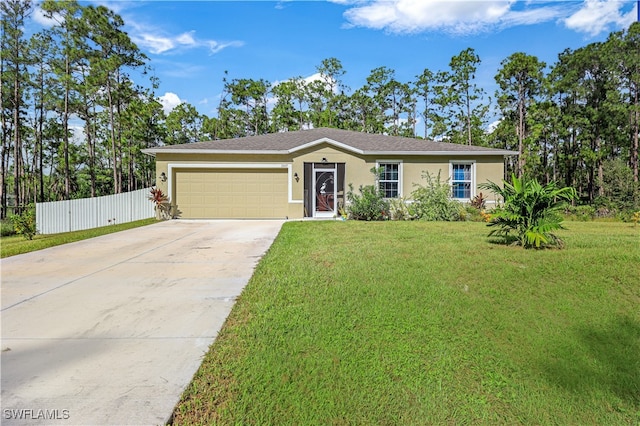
{"x": 235, "y": 193}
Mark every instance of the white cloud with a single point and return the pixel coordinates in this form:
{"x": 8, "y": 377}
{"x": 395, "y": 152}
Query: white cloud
{"x": 305, "y": 80}
{"x": 215, "y": 46}
{"x": 318, "y": 77}
{"x": 186, "y": 39}
{"x": 78, "y": 136}
{"x": 39, "y": 17}
{"x": 312, "y": 78}
{"x": 169, "y": 101}
{"x": 597, "y": 16}
{"x": 493, "y": 125}
{"x": 116, "y": 6}
{"x": 470, "y": 17}
{"x": 157, "y": 41}
{"x": 412, "y": 16}
{"x": 155, "y": 44}
{"x": 534, "y": 16}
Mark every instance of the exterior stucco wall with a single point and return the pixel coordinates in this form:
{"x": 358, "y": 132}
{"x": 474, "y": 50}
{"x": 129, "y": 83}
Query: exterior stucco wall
{"x": 357, "y": 168}
{"x": 489, "y": 169}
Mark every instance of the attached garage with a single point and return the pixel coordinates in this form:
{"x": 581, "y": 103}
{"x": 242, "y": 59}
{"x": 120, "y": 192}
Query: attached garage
{"x": 231, "y": 193}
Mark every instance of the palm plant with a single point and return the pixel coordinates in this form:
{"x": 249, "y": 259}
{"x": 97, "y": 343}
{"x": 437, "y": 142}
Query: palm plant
{"x": 530, "y": 212}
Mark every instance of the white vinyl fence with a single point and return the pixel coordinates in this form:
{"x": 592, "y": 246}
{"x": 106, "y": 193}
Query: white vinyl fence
{"x": 87, "y": 213}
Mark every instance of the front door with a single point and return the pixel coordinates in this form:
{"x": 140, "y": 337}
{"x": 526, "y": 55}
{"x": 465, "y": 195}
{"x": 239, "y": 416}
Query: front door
{"x": 324, "y": 189}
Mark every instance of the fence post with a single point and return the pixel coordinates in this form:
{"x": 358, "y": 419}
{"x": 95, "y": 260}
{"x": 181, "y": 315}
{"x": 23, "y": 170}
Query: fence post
{"x": 70, "y": 215}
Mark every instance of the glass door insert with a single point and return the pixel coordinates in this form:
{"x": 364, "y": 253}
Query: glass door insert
{"x": 324, "y": 183}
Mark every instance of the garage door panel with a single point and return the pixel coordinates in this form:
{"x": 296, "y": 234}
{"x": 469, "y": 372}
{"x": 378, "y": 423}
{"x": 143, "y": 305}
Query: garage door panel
{"x": 253, "y": 187}
{"x": 246, "y": 193}
{"x": 224, "y": 199}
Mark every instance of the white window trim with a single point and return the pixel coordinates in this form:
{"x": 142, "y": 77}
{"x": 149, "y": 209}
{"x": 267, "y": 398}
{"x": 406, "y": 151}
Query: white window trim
{"x": 473, "y": 177}
{"x": 400, "y": 173}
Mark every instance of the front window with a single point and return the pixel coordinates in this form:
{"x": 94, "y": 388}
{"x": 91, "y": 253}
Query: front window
{"x": 389, "y": 179}
{"x": 461, "y": 180}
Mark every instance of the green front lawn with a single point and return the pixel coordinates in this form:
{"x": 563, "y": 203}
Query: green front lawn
{"x": 428, "y": 323}
{"x": 17, "y": 244}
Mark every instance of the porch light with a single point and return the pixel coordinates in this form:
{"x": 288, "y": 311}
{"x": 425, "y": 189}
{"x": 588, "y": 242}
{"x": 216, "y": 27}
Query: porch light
{"x": 163, "y": 177}
{"x": 296, "y": 177}
{"x": 324, "y": 160}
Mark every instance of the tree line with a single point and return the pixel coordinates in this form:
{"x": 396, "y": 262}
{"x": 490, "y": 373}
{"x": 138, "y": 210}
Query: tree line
{"x": 74, "y": 122}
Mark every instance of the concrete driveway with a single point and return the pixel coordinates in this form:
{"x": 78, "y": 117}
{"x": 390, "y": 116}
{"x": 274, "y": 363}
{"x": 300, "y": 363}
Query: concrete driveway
{"x": 111, "y": 330}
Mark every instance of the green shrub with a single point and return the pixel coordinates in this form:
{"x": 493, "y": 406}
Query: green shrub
{"x": 530, "y": 212}
{"x": 580, "y": 213}
{"x": 6, "y": 228}
{"x": 433, "y": 200}
{"x": 399, "y": 209}
{"x": 369, "y": 204}
{"x": 602, "y": 210}
{"x": 470, "y": 213}
{"x": 628, "y": 216}
{"x": 25, "y": 223}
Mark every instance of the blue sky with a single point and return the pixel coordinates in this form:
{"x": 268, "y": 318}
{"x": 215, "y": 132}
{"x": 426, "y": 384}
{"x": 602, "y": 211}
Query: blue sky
{"x": 191, "y": 43}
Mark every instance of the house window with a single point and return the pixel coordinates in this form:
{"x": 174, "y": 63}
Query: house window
{"x": 462, "y": 177}
{"x": 389, "y": 179}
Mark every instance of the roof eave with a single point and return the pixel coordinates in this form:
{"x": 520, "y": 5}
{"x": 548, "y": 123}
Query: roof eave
{"x": 154, "y": 152}
{"x": 441, "y": 153}
{"x": 151, "y": 151}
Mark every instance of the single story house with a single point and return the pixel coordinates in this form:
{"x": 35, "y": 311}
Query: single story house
{"x": 307, "y": 173}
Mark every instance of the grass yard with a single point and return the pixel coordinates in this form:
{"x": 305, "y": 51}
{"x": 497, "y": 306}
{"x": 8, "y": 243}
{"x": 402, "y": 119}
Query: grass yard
{"x": 17, "y": 244}
{"x": 392, "y": 323}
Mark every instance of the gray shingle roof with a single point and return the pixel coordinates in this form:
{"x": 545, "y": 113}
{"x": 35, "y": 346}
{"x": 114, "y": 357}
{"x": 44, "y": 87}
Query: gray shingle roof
{"x": 363, "y": 143}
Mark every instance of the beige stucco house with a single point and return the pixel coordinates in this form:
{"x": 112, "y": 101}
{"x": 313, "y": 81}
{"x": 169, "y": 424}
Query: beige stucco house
{"x": 307, "y": 173}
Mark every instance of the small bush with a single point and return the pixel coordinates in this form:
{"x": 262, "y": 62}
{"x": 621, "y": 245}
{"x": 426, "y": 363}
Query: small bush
{"x": 161, "y": 202}
{"x": 25, "y": 223}
{"x": 433, "y": 200}
{"x": 472, "y": 214}
{"x": 6, "y": 228}
{"x": 479, "y": 201}
{"x": 628, "y": 216}
{"x": 157, "y": 196}
{"x": 399, "y": 210}
{"x": 580, "y": 213}
{"x": 369, "y": 204}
